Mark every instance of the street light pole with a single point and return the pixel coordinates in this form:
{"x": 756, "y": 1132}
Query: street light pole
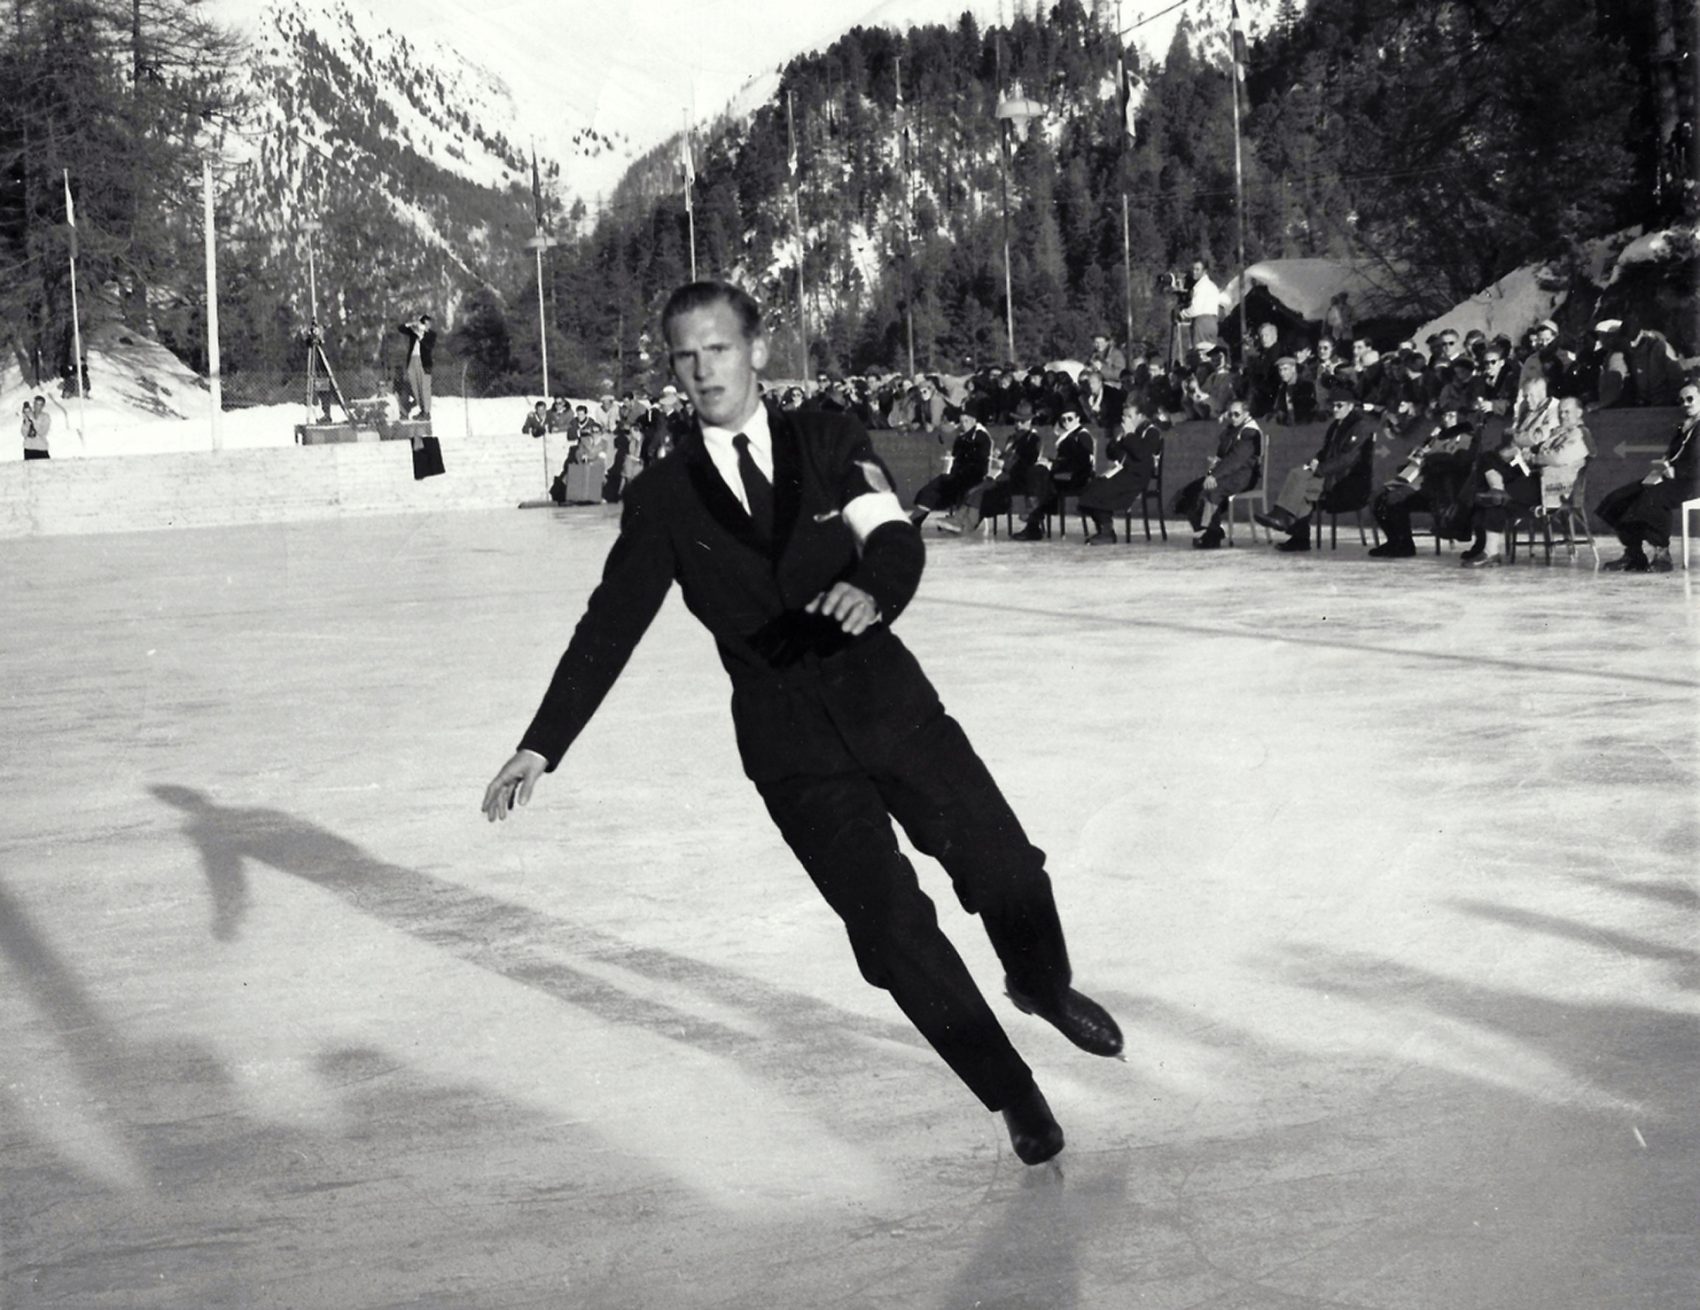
{"x": 312, "y": 227}
{"x": 541, "y": 242}
{"x": 1014, "y": 111}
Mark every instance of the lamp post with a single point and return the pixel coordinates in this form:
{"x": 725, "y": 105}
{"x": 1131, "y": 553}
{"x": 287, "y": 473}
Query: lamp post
{"x": 901, "y": 119}
{"x": 312, "y": 227}
{"x": 541, "y": 242}
{"x": 1014, "y": 111}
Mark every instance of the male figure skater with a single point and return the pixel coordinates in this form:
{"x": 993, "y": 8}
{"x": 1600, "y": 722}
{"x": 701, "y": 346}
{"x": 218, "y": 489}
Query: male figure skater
{"x": 789, "y": 545}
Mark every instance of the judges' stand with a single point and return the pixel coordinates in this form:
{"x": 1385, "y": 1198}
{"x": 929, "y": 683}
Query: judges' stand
{"x": 360, "y": 427}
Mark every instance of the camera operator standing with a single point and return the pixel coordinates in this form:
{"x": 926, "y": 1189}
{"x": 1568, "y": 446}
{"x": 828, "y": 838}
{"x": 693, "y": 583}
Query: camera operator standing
{"x": 1200, "y": 312}
{"x": 423, "y": 340}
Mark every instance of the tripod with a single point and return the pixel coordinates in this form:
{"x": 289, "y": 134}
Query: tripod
{"x": 317, "y": 360}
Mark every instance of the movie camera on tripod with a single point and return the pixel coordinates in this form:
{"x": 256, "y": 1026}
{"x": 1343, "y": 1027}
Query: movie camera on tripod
{"x": 322, "y": 385}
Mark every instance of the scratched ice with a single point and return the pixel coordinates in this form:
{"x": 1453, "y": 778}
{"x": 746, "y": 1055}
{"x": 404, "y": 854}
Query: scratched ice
{"x": 1389, "y": 872}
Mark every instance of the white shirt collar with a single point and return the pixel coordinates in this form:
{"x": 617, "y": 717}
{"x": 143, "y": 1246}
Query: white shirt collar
{"x": 724, "y": 455}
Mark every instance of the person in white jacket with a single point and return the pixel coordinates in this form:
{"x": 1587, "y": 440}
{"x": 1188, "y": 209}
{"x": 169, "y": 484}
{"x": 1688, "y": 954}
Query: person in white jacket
{"x": 1203, "y": 307}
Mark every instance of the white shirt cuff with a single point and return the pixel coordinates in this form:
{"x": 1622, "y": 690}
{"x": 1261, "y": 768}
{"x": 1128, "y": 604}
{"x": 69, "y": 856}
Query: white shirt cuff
{"x": 873, "y": 509}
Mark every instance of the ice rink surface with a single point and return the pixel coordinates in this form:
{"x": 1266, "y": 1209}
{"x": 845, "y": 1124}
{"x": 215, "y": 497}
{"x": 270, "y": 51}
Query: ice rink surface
{"x": 1389, "y": 871}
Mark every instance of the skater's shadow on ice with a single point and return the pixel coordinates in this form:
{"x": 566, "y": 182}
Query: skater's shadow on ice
{"x": 800, "y": 1041}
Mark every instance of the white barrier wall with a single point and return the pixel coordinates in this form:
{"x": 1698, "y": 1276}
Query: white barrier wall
{"x": 280, "y": 484}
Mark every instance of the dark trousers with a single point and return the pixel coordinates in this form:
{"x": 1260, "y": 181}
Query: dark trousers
{"x": 1050, "y": 490}
{"x": 944, "y": 492}
{"x": 1639, "y": 513}
{"x": 1393, "y": 508}
{"x": 1204, "y": 510}
{"x": 938, "y": 789}
{"x": 35, "y": 454}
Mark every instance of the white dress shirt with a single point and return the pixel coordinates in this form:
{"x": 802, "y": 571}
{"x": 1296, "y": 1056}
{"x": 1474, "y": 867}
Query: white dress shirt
{"x": 862, "y": 514}
{"x": 725, "y": 455}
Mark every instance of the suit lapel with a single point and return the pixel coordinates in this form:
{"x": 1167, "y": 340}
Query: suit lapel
{"x": 717, "y": 498}
{"x": 787, "y": 475}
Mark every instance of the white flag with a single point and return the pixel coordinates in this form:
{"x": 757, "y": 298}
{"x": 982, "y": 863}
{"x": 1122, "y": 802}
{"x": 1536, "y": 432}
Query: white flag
{"x": 70, "y": 213}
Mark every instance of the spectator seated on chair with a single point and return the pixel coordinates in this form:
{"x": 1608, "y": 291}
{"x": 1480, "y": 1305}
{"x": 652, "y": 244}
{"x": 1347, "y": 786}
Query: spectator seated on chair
{"x": 1510, "y": 490}
{"x": 1496, "y": 383}
{"x": 1427, "y": 482}
{"x": 1294, "y": 399}
{"x": 1158, "y": 393}
{"x": 1374, "y": 385}
{"x": 1559, "y": 458}
{"x": 1413, "y": 390}
{"x": 1653, "y": 365}
{"x": 1640, "y": 512}
{"x": 1602, "y": 376}
{"x": 1534, "y": 418}
{"x": 1236, "y": 466}
{"x": 1458, "y": 387}
{"x": 1065, "y": 473}
{"x": 1329, "y": 373}
{"x": 1208, "y": 389}
{"x": 1011, "y": 471}
{"x": 1258, "y": 369}
{"x": 1100, "y": 405}
{"x": 1107, "y": 357}
{"x": 1133, "y": 451}
{"x": 1335, "y": 480}
{"x": 1548, "y": 359}
{"x": 1006, "y": 396}
{"x": 965, "y": 467}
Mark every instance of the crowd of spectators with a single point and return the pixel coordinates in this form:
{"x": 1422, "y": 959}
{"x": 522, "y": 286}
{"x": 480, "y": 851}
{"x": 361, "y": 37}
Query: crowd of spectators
{"x": 1499, "y": 429}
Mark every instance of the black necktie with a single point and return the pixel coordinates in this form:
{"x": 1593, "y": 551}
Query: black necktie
{"x": 758, "y": 491}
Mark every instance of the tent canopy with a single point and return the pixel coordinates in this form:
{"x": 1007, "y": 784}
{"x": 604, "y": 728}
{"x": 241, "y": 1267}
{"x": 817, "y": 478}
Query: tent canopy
{"x": 1306, "y": 286}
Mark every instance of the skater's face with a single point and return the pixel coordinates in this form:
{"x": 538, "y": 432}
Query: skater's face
{"x": 716, "y": 364}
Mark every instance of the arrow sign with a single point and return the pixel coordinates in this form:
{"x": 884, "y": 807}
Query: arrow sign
{"x": 1624, "y": 448}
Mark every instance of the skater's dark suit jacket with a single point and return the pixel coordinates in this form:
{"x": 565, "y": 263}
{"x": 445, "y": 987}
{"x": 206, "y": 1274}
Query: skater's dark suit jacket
{"x": 806, "y": 699}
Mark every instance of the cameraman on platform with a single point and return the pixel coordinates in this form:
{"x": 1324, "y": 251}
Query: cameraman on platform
{"x": 1199, "y": 314}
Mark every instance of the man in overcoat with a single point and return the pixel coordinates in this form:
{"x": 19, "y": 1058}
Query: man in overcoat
{"x": 1335, "y": 479}
{"x": 789, "y": 545}
{"x": 1133, "y": 453}
{"x": 1236, "y": 466}
{"x": 970, "y": 458}
{"x": 1067, "y": 471}
{"x": 1640, "y": 513}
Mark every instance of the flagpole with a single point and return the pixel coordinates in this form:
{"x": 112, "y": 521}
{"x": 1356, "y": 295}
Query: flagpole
{"x": 215, "y": 380}
{"x": 797, "y": 220}
{"x": 1127, "y": 268}
{"x": 1003, "y": 191}
{"x": 1238, "y": 45}
{"x": 76, "y": 323}
{"x": 690, "y": 180}
{"x": 1124, "y": 130}
{"x": 540, "y": 242}
{"x": 908, "y": 222}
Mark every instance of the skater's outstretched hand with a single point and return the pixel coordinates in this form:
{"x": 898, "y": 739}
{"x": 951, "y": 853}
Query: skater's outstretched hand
{"x": 512, "y": 784}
